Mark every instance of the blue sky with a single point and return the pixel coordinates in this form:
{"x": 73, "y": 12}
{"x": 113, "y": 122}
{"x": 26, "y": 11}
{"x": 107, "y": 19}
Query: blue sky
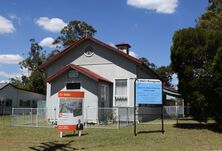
{"x": 147, "y": 25}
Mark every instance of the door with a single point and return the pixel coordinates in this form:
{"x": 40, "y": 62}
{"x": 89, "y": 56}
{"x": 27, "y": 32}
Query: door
{"x": 104, "y": 96}
{"x": 103, "y": 102}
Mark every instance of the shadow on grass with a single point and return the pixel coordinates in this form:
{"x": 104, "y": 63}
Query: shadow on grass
{"x": 144, "y": 132}
{"x": 211, "y": 126}
{"x": 51, "y": 146}
{"x": 71, "y": 135}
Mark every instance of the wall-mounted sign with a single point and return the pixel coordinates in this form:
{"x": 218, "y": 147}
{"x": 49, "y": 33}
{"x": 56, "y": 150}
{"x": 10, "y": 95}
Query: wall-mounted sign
{"x": 149, "y": 91}
{"x": 73, "y": 74}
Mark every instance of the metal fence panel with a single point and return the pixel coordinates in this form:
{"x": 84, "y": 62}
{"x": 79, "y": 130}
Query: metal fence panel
{"x": 4, "y": 110}
{"x": 31, "y": 117}
{"x": 113, "y": 117}
{"x": 101, "y": 117}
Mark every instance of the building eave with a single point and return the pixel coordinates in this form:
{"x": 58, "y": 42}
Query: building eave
{"x": 82, "y": 70}
{"x": 78, "y": 42}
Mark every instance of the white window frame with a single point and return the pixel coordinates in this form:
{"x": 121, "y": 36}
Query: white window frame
{"x": 127, "y": 91}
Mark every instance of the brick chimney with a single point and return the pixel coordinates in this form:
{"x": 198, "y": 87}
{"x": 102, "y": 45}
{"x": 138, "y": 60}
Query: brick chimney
{"x": 124, "y": 47}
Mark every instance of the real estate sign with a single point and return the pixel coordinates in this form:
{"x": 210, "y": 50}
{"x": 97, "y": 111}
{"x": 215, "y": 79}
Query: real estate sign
{"x": 149, "y": 91}
{"x": 70, "y": 109}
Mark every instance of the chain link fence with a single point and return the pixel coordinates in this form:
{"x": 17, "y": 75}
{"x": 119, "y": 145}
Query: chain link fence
{"x": 4, "y": 110}
{"x": 108, "y": 117}
{"x": 31, "y": 117}
{"x": 153, "y": 114}
{"x": 115, "y": 117}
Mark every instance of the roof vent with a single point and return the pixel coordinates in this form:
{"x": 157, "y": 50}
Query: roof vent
{"x": 123, "y": 47}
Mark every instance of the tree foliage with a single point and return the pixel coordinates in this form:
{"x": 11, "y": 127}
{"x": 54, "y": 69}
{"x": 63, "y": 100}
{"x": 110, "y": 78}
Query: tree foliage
{"x": 196, "y": 57}
{"x": 35, "y": 58}
{"x": 165, "y": 72}
{"x": 212, "y": 19}
{"x": 148, "y": 63}
{"x": 73, "y": 31}
{"x": 35, "y": 81}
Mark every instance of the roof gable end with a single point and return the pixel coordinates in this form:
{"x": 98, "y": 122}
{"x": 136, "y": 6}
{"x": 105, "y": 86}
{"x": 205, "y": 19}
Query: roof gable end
{"x": 78, "y": 42}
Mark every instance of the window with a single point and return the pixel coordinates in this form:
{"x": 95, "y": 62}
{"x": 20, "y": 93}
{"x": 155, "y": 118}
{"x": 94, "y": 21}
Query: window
{"x": 2, "y": 102}
{"x": 34, "y": 104}
{"x": 73, "y": 86}
{"x": 8, "y": 103}
{"x": 88, "y": 51}
{"x": 121, "y": 90}
{"x": 23, "y": 103}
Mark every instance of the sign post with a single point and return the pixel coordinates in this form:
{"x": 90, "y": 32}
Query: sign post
{"x": 148, "y": 91}
{"x": 134, "y": 117}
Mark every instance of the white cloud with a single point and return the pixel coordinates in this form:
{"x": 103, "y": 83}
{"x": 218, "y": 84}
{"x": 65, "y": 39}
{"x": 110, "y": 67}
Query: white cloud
{"x": 4, "y": 74}
{"x": 8, "y": 75}
{"x": 159, "y": 6}
{"x": 4, "y": 81}
{"x": 6, "y": 26}
{"x": 131, "y": 53}
{"x": 10, "y": 58}
{"x": 53, "y": 25}
{"x": 47, "y": 42}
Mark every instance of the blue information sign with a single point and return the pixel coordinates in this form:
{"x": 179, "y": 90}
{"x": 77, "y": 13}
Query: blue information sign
{"x": 148, "y": 91}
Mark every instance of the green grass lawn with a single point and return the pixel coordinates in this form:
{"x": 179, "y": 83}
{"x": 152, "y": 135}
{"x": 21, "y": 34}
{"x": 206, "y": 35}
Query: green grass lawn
{"x": 188, "y": 136}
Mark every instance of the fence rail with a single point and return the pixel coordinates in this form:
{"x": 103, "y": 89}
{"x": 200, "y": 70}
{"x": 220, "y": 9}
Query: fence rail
{"x": 97, "y": 117}
{"x": 31, "y": 117}
{"x": 4, "y": 110}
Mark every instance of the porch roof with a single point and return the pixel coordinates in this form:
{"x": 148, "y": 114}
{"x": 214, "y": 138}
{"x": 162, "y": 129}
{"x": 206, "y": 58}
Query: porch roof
{"x": 80, "y": 69}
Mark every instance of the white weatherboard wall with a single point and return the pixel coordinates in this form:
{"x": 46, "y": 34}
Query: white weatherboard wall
{"x": 103, "y": 62}
{"x": 88, "y": 86}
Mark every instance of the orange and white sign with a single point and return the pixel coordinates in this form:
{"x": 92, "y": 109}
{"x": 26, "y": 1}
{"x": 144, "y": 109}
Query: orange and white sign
{"x": 66, "y": 128}
{"x": 71, "y": 94}
{"x": 70, "y": 110}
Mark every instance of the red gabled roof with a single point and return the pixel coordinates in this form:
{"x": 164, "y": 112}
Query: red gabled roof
{"x": 82, "y": 70}
{"x": 76, "y": 43}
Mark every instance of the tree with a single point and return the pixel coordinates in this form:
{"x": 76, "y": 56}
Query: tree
{"x": 35, "y": 58}
{"x": 166, "y": 73}
{"x": 74, "y": 31}
{"x": 212, "y": 19}
{"x": 215, "y": 5}
{"x": 147, "y": 63}
{"x": 22, "y": 82}
{"x": 52, "y": 53}
{"x": 196, "y": 57}
{"x": 34, "y": 82}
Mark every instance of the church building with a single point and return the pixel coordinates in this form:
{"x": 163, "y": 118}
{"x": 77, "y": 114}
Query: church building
{"x": 94, "y": 72}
